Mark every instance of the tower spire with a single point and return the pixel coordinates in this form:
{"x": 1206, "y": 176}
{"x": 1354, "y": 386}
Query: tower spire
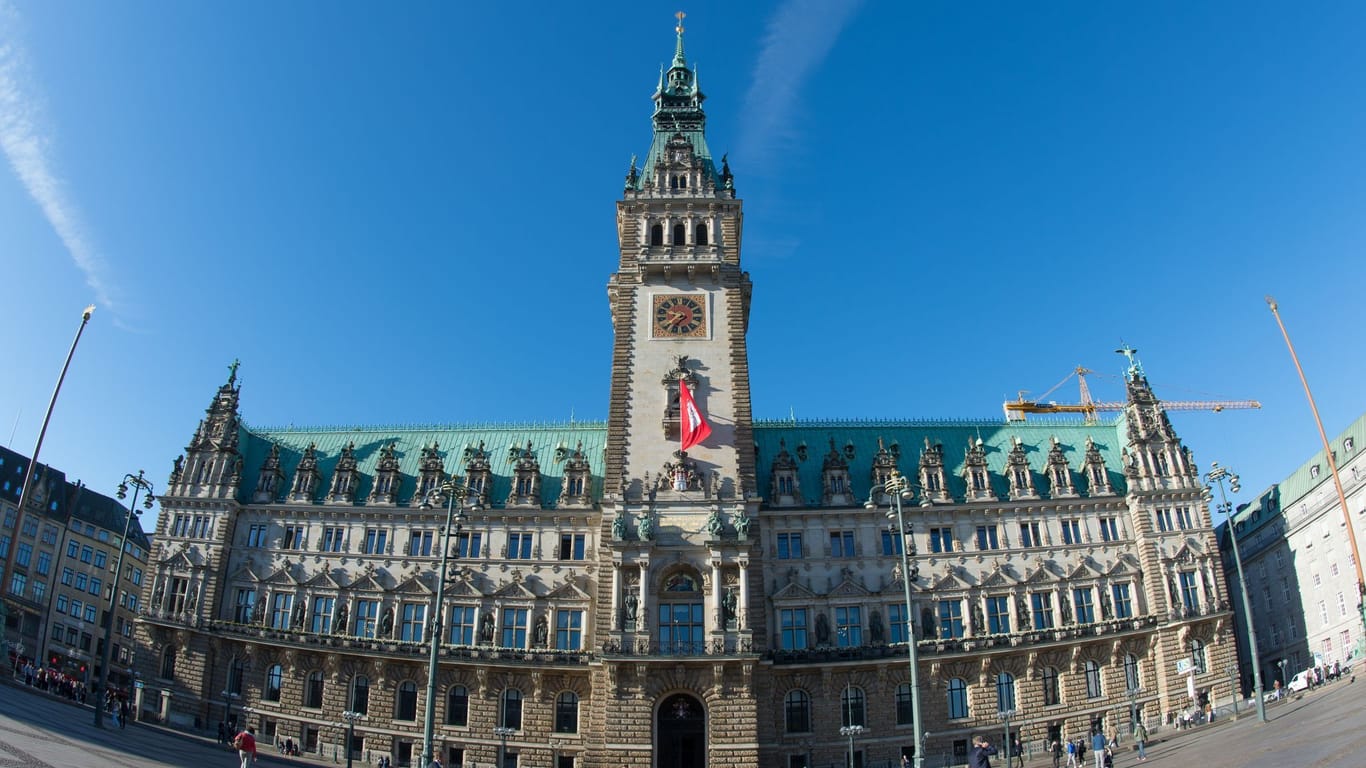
{"x": 679, "y": 59}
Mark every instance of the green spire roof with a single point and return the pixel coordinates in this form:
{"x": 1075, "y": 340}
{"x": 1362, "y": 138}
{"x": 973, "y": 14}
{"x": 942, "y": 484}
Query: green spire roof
{"x": 678, "y": 112}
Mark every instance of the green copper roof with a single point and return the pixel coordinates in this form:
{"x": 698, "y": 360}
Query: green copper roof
{"x": 550, "y": 443}
{"x": 678, "y": 112}
{"x": 908, "y": 438}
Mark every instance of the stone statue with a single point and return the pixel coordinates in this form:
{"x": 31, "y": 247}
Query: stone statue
{"x": 631, "y": 604}
{"x": 1022, "y": 611}
{"x": 979, "y": 627}
{"x": 875, "y": 627}
{"x": 1065, "y": 608}
{"x": 742, "y": 524}
{"x": 339, "y": 627}
{"x": 542, "y": 632}
{"x": 179, "y": 465}
{"x": 728, "y": 605}
{"x": 822, "y": 630}
{"x": 1104, "y": 605}
{"x": 619, "y": 527}
{"x": 386, "y": 624}
{"x": 299, "y": 615}
{"x": 928, "y": 628}
{"x": 714, "y": 525}
{"x": 258, "y": 612}
{"x": 645, "y": 528}
{"x": 486, "y": 629}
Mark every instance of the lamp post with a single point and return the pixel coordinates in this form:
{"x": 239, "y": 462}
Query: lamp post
{"x": 351, "y": 717}
{"x": 1218, "y": 475}
{"x": 1284, "y": 682}
{"x": 851, "y": 731}
{"x": 1133, "y": 694}
{"x": 228, "y": 697}
{"x": 898, "y": 487}
{"x": 140, "y": 484}
{"x": 455, "y": 495}
{"x": 1005, "y": 715}
{"x": 503, "y": 732}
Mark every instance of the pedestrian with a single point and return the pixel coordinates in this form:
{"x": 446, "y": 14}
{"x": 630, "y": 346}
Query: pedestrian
{"x": 1017, "y": 751}
{"x": 1098, "y": 744}
{"x": 123, "y": 713}
{"x": 1055, "y": 747}
{"x": 222, "y": 733}
{"x": 435, "y": 763}
{"x": 980, "y": 754}
{"x": 1141, "y": 738}
{"x": 1071, "y": 754}
{"x": 246, "y": 747}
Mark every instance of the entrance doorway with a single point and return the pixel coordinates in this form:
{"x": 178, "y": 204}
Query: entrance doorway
{"x": 681, "y": 733}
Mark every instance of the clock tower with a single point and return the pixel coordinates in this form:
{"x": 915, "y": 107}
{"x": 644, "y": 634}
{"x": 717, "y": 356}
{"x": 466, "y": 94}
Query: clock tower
{"x": 681, "y": 614}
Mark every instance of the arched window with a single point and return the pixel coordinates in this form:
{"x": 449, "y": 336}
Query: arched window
{"x": 168, "y": 663}
{"x": 511, "y": 714}
{"x": 1198, "y": 656}
{"x": 657, "y": 234}
{"x": 680, "y": 234}
{"x": 701, "y": 234}
{"x": 360, "y": 694}
{"x": 275, "y": 675}
{"x": 1005, "y": 692}
{"x": 797, "y": 712}
{"x": 1050, "y": 687}
{"x": 1131, "y": 676}
{"x": 852, "y": 708}
{"x": 313, "y": 692}
{"x": 405, "y": 703}
{"x": 905, "y": 709}
{"x": 567, "y": 712}
{"x": 958, "y": 698}
{"x": 1092, "y": 680}
{"x": 457, "y": 705}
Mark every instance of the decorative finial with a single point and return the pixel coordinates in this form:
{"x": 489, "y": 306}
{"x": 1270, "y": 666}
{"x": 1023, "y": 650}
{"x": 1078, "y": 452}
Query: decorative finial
{"x": 232, "y": 371}
{"x": 679, "y": 28}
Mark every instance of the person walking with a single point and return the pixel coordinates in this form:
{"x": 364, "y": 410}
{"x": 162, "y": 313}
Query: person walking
{"x": 1016, "y": 751}
{"x": 1071, "y": 753}
{"x": 246, "y": 747}
{"x": 222, "y": 733}
{"x": 1098, "y": 743}
{"x": 1141, "y": 738}
{"x": 1055, "y": 747}
{"x": 980, "y": 754}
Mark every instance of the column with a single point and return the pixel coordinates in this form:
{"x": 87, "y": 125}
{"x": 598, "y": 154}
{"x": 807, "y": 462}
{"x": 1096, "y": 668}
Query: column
{"x": 643, "y": 614}
{"x": 717, "y": 612}
{"x": 742, "y": 604}
{"x": 616, "y": 597}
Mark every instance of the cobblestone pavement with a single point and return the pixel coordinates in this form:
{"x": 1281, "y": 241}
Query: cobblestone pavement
{"x": 1320, "y": 729}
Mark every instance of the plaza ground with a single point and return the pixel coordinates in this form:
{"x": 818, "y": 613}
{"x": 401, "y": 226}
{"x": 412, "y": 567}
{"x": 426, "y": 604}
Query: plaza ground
{"x": 1323, "y": 728}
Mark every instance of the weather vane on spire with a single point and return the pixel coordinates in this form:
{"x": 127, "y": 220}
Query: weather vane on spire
{"x": 679, "y": 28}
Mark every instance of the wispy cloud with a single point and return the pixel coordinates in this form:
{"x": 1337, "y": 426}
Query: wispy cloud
{"x": 27, "y": 146}
{"x": 798, "y": 38}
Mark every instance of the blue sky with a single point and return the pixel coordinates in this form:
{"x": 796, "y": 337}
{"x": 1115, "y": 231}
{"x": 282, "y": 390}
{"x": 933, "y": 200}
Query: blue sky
{"x": 405, "y": 215}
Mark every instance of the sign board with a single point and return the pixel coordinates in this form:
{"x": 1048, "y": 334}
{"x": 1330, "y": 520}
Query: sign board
{"x": 138, "y": 685}
{"x": 1183, "y": 666}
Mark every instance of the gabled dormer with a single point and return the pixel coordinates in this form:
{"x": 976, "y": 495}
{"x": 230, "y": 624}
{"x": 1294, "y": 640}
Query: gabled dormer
{"x": 478, "y": 474}
{"x": 387, "y": 478}
{"x": 526, "y": 480}
{"x": 785, "y": 486}
{"x": 345, "y": 478}
{"x": 836, "y": 489}
{"x": 431, "y": 470}
{"x": 306, "y": 478}
{"x": 976, "y": 476}
{"x": 269, "y": 478}
{"x": 883, "y": 469}
{"x": 1097, "y": 476}
{"x": 213, "y": 467}
{"x": 1059, "y": 473}
{"x": 1020, "y": 478}
{"x": 576, "y": 486}
{"x": 933, "y": 481}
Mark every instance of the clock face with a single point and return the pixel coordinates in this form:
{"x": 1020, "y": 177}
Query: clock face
{"x": 680, "y": 315}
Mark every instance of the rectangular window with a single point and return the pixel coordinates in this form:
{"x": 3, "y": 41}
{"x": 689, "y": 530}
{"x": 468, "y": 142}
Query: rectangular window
{"x": 896, "y": 618}
{"x": 941, "y": 539}
{"x": 1342, "y": 605}
{"x": 1109, "y": 529}
{"x": 891, "y": 543}
{"x": 101, "y": 559}
{"x": 87, "y": 554}
{"x": 568, "y": 630}
{"x": 31, "y": 526}
{"x": 61, "y": 603}
{"x": 58, "y": 631}
{"x": 1190, "y": 593}
{"x": 39, "y": 590}
{"x": 376, "y": 541}
{"x": 73, "y": 548}
{"x": 793, "y": 628}
{"x": 4, "y": 547}
{"x": 1071, "y": 531}
{"x": 281, "y": 605}
{"x": 413, "y": 619}
{"x": 1164, "y": 521}
{"x": 1124, "y": 607}
{"x": 1183, "y": 517}
{"x": 50, "y": 534}
{"x": 789, "y": 546}
{"x": 81, "y": 581}
{"x": 1029, "y": 535}
{"x": 1323, "y": 612}
{"x": 44, "y": 563}
{"x": 96, "y": 585}
{"x": 998, "y": 615}
{"x": 468, "y": 544}
{"x": 294, "y": 537}
{"x": 23, "y": 554}
{"x": 572, "y": 546}
{"x": 514, "y": 627}
{"x": 333, "y": 537}
{"x": 245, "y": 605}
{"x": 848, "y": 626}
{"x": 841, "y": 543}
{"x": 1081, "y": 601}
{"x": 462, "y": 625}
{"x": 179, "y": 587}
{"x": 681, "y": 629}
{"x": 77, "y": 607}
{"x": 519, "y": 546}
{"x": 367, "y": 613}
{"x": 986, "y": 537}
{"x": 420, "y": 543}
{"x": 256, "y": 535}
{"x": 950, "y": 619}
{"x": 90, "y": 613}
{"x": 68, "y": 576}
{"x": 323, "y": 608}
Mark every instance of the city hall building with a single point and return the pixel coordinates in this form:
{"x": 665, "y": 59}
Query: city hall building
{"x": 615, "y": 601}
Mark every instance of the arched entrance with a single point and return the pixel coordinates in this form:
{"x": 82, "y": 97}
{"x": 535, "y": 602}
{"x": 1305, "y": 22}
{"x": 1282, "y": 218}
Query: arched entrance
{"x": 681, "y": 733}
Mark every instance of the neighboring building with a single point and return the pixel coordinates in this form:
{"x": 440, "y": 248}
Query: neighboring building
{"x": 61, "y": 565}
{"x": 1300, "y": 567}
{"x": 622, "y": 603}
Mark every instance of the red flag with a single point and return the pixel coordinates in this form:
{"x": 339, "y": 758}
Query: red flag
{"x": 695, "y": 428}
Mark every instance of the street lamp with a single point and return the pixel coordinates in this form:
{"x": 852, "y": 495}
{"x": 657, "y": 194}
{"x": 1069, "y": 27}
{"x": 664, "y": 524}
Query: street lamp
{"x": 1233, "y": 686}
{"x": 228, "y": 697}
{"x": 1004, "y": 715}
{"x": 351, "y": 717}
{"x": 1133, "y": 694}
{"x": 503, "y": 732}
{"x": 851, "y": 731}
{"x": 455, "y": 495}
{"x": 140, "y": 483}
{"x": 898, "y": 487}
{"x": 1218, "y": 474}
{"x": 1284, "y": 681}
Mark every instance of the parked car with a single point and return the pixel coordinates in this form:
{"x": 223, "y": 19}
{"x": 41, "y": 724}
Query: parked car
{"x": 1301, "y": 681}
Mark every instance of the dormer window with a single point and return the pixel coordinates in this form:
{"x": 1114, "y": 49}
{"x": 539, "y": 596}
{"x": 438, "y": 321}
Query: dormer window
{"x": 785, "y": 487}
{"x": 884, "y": 468}
{"x": 431, "y": 471}
{"x": 932, "y": 481}
{"x": 305, "y": 477}
{"x": 577, "y": 486}
{"x": 526, "y": 480}
{"x": 345, "y": 478}
{"x": 387, "y": 477}
{"x": 268, "y": 482}
{"x": 478, "y": 473}
{"x": 975, "y": 473}
{"x": 837, "y": 490}
{"x": 1097, "y": 476}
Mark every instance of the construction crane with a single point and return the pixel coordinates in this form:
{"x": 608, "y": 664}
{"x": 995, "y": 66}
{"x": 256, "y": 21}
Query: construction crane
{"x": 1016, "y": 410}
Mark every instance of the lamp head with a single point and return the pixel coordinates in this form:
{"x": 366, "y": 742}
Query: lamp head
{"x": 147, "y": 502}
{"x": 123, "y": 490}
{"x": 90, "y": 310}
